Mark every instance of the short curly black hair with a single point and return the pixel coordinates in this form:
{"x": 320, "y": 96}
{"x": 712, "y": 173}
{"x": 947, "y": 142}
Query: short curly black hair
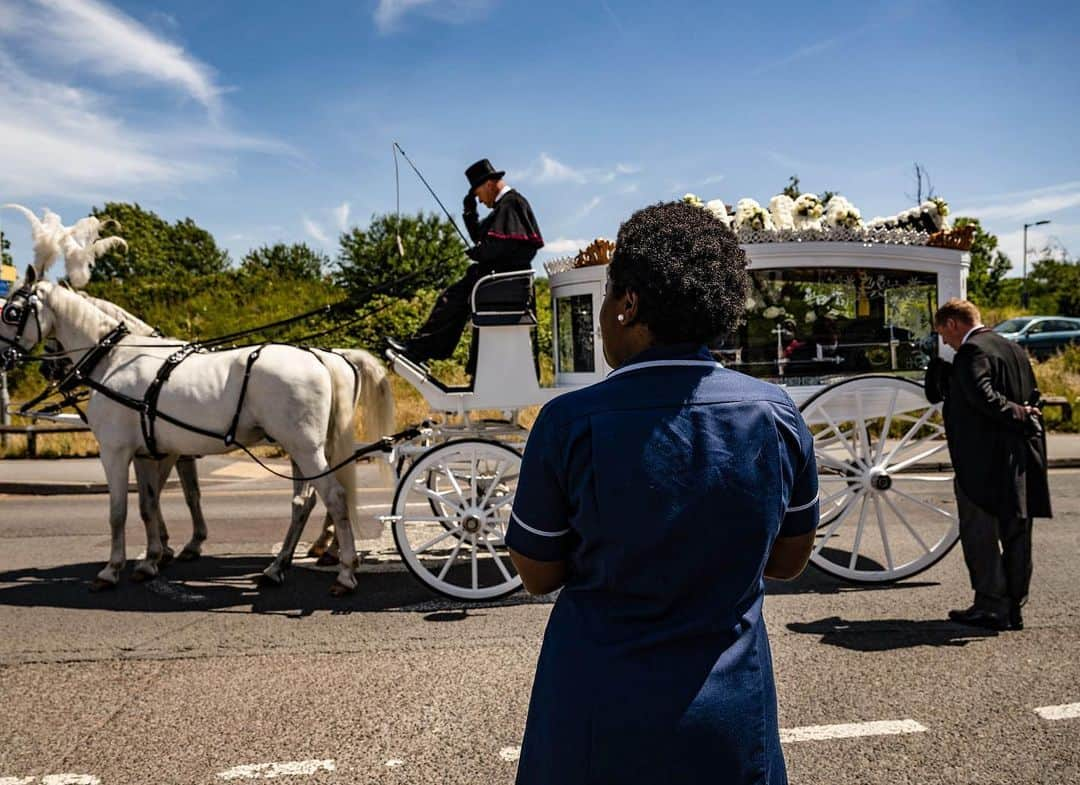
{"x": 687, "y": 269}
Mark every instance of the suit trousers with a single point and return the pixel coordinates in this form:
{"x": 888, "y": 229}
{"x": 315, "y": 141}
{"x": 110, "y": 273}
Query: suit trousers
{"x": 997, "y": 551}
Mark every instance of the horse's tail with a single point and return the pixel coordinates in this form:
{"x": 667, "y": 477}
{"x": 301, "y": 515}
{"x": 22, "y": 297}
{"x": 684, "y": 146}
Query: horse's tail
{"x": 341, "y": 440}
{"x": 376, "y": 402}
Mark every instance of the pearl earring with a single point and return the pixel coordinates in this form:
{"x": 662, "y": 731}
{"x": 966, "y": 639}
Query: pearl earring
{"x": 621, "y": 317}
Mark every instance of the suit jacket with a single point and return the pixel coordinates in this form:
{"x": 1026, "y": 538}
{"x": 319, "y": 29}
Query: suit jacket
{"x": 997, "y": 451}
{"x": 508, "y": 237}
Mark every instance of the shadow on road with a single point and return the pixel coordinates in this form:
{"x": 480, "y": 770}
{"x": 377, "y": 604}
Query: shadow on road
{"x": 889, "y": 634}
{"x": 816, "y": 581}
{"x": 227, "y": 584}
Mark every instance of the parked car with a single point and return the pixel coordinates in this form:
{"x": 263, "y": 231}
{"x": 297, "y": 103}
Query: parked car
{"x": 1042, "y": 336}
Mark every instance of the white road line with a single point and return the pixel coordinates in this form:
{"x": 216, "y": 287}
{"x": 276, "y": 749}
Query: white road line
{"x": 850, "y": 730}
{"x": 16, "y": 780}
{"x": 1067, "y": 711}
{"x": 510, "y": 753}
{"x": 265, "y": 771}
{"x": 394, "y": 763}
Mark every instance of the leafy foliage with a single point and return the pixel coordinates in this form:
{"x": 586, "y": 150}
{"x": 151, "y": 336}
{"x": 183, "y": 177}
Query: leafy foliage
{"x": 1054, "y": 287}
{"x": 430, "y": 256}
{"x": 156, "y": 248}
{"x": 297, "y": 261}
{"x": 988, "y": 265}
{"x": 5, "y": 250}
{"x": 792, "y": 188}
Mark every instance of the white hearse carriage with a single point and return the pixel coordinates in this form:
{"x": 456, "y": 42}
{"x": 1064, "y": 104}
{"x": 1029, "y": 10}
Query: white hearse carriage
{"x": 840, "y": 317}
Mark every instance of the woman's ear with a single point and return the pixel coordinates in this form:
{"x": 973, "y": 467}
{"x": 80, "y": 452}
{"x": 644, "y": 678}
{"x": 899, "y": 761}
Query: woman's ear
{"x": 630, "y": 306}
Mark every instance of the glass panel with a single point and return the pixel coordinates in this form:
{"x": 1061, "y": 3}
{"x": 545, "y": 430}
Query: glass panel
{"x": 1011, "y": 325}
{"x": 808, "y": 325}
{"x": 576, "y": 351}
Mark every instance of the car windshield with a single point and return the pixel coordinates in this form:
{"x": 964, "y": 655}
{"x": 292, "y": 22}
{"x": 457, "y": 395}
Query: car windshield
{"x": 1011, "y": 326}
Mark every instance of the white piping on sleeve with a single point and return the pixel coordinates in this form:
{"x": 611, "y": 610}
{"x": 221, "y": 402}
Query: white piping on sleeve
{"x": 531, "y": 530}
{"x": 806, "y": 506}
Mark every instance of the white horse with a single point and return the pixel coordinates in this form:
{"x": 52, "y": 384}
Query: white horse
{"x": 304, "y": 400}
{"x": 376, "y": 407}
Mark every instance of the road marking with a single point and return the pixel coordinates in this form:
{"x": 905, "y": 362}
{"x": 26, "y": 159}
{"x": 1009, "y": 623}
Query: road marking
{"x": 850, "y": 730}
{"x": 1068, "y": 711}
{"x": 265, "y": 771}
{"x": 510, "y": 753}
{"x": 394, "y": 763}
{"x": 16, "y": 780}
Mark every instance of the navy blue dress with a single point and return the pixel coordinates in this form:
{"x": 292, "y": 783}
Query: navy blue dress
{"x": 664, "y": 487}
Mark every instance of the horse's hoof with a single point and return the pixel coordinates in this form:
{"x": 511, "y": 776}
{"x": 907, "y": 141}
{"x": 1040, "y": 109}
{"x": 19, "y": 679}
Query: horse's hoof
{"x": 166, "y": 557}
{"x": 100, "y": 584}
{"x": 338, "y": 589}
{"x": 140, "y": 576}
{"x": 327, "y": 560}
{"x": 316, "y": 552}
{"x": 186, "y": 555}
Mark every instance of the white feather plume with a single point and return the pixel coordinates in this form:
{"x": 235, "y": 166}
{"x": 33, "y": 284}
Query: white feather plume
{"x": 82, "y": 248}
{"x": 47, "y": 234}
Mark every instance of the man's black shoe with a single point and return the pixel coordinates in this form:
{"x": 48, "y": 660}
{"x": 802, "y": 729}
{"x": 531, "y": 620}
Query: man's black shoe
{"x": 1016, "y": 621}
{"x": 976, "y": 617}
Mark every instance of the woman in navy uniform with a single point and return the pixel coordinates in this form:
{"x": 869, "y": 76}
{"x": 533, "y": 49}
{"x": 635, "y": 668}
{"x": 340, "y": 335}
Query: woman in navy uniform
{"x": 658, "y": 499}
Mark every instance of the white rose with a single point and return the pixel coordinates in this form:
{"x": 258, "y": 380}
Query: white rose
{"x": 810, "y": 317}
{"x": 772, "y": 312}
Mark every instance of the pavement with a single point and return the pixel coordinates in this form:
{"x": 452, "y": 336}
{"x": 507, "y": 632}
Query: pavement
{"x": 200, "y": 677}
{"x": 53, "y": 476}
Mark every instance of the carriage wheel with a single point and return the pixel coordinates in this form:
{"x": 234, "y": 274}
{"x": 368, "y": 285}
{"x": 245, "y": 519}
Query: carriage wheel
{"x": 451, "y": 532}
{"x": 888, "y": 510}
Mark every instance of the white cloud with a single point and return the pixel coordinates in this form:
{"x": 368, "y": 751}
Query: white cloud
{"x": 1051, "y": 240}
{"x": 316, "y": 231}
{"x": 563, "y": 246}
{"x": 588, "y": 207}
{"x": 1023, "y": 205}
{"x": 389, "y": 13}
{"x": 60, "y": 140}
{"x": 549, "y": 170}
{"x": 92, "y": 35}
{"x": 341, "y": 216}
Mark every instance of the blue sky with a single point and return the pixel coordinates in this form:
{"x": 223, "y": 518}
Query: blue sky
{"x": 273, "y": 121}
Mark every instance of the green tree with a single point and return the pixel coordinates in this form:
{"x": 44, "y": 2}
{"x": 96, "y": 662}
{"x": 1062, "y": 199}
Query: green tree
{"x": 430, "y": 255}
{"x": 296, "y": 261}
{"x": 792, "y": 188}
{"x": 5, "y": 250}
{"x": 157, "y": 249}
{"x": 988, "y": 265}
{"x": 1054, "y": 287}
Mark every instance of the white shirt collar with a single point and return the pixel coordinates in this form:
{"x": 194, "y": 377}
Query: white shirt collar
{"x": 502, "y": 192}
{"x": 969, "y": 332}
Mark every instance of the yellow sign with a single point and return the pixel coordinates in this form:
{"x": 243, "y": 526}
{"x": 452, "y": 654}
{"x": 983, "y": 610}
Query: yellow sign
{"x": 8, "y": 273}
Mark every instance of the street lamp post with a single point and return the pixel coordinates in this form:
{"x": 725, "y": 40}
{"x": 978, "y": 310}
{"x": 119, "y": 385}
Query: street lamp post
{"x": 1023, "y": 281}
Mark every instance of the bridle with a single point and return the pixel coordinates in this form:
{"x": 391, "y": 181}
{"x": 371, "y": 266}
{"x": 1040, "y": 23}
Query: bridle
{"x": 17, "y": 312}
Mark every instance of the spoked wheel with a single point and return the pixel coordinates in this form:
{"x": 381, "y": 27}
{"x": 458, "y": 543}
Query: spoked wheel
{"x": 888, "y": 510}
{"x": 451, "y": 512}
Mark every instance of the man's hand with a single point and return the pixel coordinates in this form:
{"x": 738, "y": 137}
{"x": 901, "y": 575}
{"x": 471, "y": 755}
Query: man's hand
{"x": 468, "y": 204}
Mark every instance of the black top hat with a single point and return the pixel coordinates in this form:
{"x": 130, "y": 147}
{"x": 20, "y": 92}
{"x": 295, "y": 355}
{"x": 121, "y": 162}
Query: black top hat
{"x": 482, "y": 171}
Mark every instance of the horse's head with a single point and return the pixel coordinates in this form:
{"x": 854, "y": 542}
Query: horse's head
{"x": 24, "y": 320}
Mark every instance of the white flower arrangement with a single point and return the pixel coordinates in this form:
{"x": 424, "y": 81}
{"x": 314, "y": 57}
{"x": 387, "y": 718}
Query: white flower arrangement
{"x": 773, "y": 312}
{"x": 692, "y": 199}
{"x": 750, "y": 215}
{"x": 841, "y": 212}
{"x": 933, "y": 212}
{"x": 808, "y": 212}
{"x": 782, "y": 210}
{"x": 719, "y": 209}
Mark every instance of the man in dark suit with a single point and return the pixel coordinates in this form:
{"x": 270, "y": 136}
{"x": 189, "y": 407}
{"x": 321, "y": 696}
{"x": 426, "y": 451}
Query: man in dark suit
{"x": 506, "y": 240}
{"x": 998, "y": 452}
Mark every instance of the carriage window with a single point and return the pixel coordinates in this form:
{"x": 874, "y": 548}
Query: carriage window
{"x": 807, "y": 324}
{"x": 574, "y": 321}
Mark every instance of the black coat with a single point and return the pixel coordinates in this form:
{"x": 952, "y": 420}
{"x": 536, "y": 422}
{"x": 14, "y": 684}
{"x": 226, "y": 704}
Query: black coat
{"x": 508, "y": 237}
{"x": 997, "y": 451}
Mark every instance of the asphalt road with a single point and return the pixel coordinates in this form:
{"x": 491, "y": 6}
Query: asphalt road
{"x": 201, "y": 677}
